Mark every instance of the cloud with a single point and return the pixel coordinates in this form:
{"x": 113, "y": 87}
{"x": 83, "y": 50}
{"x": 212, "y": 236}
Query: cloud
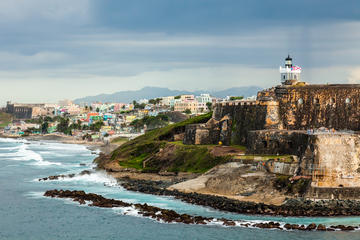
{"x": 223, "y": 16}
{"x": 354, "y": 76}
{"x": 22, "y": 11}
{"x": 105, "y": 46}
{"x": 53, "y": 85}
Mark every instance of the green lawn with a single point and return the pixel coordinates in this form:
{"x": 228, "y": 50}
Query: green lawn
{"x": 5, "y": 119}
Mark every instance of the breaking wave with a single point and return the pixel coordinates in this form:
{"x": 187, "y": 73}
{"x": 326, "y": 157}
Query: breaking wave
{"x": 96, "y": 177}
{"x": 23, "y": 153}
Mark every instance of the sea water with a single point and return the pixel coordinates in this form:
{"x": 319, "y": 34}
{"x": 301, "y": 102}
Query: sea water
{"x": 26, "y": 214}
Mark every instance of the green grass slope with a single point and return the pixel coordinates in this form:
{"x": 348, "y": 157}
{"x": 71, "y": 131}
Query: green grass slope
{"x": 184, "y": 158}
{"x": 5, "y": 119}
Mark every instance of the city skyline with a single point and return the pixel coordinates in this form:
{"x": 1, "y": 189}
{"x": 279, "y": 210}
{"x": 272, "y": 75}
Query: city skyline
{"x": 63, "y": 49}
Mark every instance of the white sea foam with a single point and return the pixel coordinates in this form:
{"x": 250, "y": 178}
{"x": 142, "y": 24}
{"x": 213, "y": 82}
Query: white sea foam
{"x": 10, "y": 148}
{"x": 96, "y": 177}
{"x": 131, "y": 211}
{"x": 63, "y": 147}
{"x": 23, "y": 153}
{"x": 13, "y": 140}
{"x": 34, "y": 195}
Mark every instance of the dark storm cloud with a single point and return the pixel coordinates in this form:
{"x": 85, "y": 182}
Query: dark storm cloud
{"x": 221, "y": 15}
{"x": 110, "y": 45}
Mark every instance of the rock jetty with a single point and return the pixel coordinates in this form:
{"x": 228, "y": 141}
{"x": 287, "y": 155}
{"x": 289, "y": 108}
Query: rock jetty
{"x": 71, "y": 175}
{"x": 170, "y": 216}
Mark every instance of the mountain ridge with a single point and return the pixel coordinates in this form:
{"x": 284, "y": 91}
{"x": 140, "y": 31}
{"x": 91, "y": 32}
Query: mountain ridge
{"x": 153, "y": 92}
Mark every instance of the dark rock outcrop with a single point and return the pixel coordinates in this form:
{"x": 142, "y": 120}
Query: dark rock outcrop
{"x": 71, "y": 175}
{"x": 170, "y": 216}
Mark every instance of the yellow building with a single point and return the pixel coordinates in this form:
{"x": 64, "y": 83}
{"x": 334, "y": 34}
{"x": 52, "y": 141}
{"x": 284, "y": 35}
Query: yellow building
{"x": 181, "y": 106}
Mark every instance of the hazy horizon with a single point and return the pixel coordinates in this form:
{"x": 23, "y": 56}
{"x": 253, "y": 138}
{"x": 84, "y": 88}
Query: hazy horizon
{"x": 61, "y": 49}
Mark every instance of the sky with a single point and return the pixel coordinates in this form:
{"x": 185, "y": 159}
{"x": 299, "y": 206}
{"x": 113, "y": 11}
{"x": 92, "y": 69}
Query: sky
{"x": 64, "y": 49}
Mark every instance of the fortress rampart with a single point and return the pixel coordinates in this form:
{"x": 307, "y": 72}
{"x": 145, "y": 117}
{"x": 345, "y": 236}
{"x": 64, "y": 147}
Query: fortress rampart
{"x": 312, "y": 106}
{"x": 317, "y": 123}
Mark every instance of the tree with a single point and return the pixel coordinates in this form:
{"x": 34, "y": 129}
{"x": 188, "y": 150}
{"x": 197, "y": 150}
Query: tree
{"x": 236, "y": 98}
{"x": 142, "y": 106}
{"x": 44, "y": 127}
{"x": 177, "y": 97}
{"x": 63, "y": 126}
{"x": 187, "y": 111}
{"x": 209, "y": 105}
{"x": 138, "y": 106}
{"x": 151, "y": 122}
{"x": 155, "y": 101}
{"x": 96, "y": 126}
{"x": 48, "y": 119}
{"x": 97, "y": 109}
{"x": 79, "y": 124}
{"x": 91, "y": 108}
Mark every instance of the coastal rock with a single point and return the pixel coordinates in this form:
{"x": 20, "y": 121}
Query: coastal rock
{"x": 311, "y": 226}
{"x": 321, "y": 227}
{"x": 71, "y": 175}
{"x": 170, "y": 216}
{"x": 268, "y": 225}
{"x": 343, "y": 228}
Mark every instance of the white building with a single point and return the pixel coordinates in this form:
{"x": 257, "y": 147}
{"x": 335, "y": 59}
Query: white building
{"x": 204, "y": 98}
{"x": 141, "y": 101}
{"x": 290, "y": 74}
{"x": 168, "y": 101}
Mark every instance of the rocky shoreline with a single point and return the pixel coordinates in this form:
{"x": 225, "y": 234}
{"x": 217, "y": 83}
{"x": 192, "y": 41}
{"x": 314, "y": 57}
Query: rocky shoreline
{"x": 170, "y": 216}
{"x": 292, "y": 207}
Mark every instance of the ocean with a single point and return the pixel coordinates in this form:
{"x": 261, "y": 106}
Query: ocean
{"x": 26, "y": 214}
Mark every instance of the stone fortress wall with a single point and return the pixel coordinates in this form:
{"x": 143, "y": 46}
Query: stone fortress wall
{"x": 312, "y": 106}
{"x": 281, "y": 121}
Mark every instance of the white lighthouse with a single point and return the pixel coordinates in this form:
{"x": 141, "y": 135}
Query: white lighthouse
{"x": 290, "y": 74}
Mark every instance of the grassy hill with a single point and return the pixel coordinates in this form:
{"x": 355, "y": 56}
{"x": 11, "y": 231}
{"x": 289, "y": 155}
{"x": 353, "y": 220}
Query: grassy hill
{"x": 155, "y": 151}
{"x": 5, "y": 119}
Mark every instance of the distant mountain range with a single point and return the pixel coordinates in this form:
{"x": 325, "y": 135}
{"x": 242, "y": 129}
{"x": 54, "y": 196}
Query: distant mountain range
{"x": 154, "y": 92}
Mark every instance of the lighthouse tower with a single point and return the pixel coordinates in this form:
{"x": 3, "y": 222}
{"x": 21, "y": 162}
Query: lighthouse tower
{"x": 290, "y": 74}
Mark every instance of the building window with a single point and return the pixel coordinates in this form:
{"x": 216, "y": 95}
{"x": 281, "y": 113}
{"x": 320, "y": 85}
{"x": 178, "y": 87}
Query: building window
{"x": 284, "y": 77}
{"x": 316, "y": 101}
{"x": 300, "y": 101}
